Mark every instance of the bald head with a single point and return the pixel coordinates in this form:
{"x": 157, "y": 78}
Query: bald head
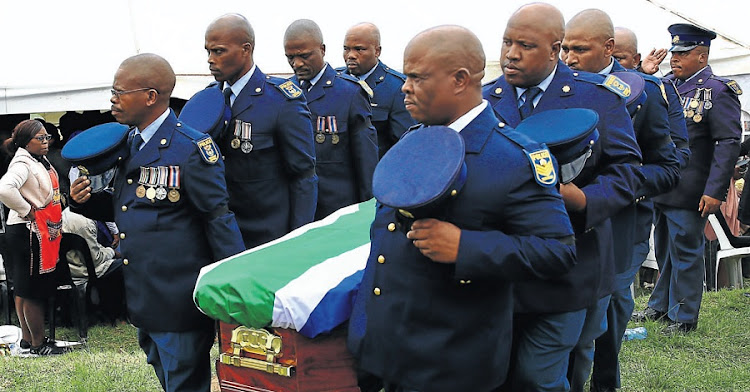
{"x": 545, "y": 18}
{"x": 366, "y": 29}
{"x": 145, "y": 83}
{"x": 451, "y": 47}
{"x": 531, "y": 44}
{"x": 361, "y": 48}
{"x": 234, "y": 25}
{"x": 448, "y": 62}
{"x": 626, "y": 48}
{"x": 150, "y": 70}
{"x": 589, "y": 41}
{"x": 304, "y": 29}
{"x": 596, "y": 22}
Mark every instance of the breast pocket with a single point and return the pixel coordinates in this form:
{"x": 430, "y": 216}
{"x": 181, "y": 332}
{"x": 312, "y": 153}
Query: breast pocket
{"x": 379, "y": 113}
{"x": 335, "y": 148}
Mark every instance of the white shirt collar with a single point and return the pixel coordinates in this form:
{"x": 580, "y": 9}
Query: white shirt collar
{"x": 544, "y": 84}
{"x": 318, "y": 76}
{"x": 367, "y": 75}
{"x": 701, "y": 70}
{"x": 608, "y": 69}
{"x": 151, "y": 129}
{"x": 239, "y": 84}
{"x": 464, "y": 120}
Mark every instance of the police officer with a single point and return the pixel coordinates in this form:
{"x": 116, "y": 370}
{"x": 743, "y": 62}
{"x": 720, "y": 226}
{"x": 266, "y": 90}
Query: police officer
{"x": 435, "y": 306}
{"x": 168, "y": 194}
{"x": 712, "y": 114}
{"x": 361, "y": 55}
{"x": 606, "y": 372}
{"x": 550, "y": 313}
{"x": 345, "y": 140}
{"x": 588, "y": 45}
{"x": 267, "y": 143}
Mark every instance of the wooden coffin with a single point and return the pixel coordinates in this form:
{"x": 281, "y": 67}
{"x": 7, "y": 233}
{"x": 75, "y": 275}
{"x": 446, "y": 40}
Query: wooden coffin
{"x": 282, "y": 360}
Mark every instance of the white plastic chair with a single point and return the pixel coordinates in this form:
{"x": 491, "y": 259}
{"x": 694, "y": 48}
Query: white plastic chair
{"x": 731, "y": 250}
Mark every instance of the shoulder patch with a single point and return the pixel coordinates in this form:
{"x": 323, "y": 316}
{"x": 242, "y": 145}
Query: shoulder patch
{"x": 291, "y": 90}
{"x": 543, "y": 167}
{"x": 734, "y": 86}
{"x": 616, "y": 85}
{"x": 540, "y": 158}
{"x": 209, "y": 151}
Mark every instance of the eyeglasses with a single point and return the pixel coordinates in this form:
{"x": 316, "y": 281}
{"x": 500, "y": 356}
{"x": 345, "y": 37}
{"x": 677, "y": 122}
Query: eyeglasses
{"x": 118, "y": 93}
{"x": 44, "y": 138}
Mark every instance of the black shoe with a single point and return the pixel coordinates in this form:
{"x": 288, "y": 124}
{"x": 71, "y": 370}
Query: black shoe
{"x": 24, "y": 344}
{"x": 49, "y": 347}
{"x": 674, "y": 328}
{"x": 648, "y": 314}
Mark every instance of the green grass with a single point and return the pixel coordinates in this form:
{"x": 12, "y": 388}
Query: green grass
{"x": 716, "y": 357}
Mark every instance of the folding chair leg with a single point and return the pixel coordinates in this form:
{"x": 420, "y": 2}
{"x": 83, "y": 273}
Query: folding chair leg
{"x": 82, "y": 314}
{"x": 5, "y": 301}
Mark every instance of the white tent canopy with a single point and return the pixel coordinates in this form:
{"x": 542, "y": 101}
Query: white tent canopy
{"x": 62, "y": 55}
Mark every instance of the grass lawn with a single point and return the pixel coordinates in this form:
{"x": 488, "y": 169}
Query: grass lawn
{"x": 716, "y": 357}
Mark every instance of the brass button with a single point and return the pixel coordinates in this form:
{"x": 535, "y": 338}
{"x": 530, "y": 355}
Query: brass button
{"x": 130, "y": 181}
{"x": 462, "y": 281}
{"x": 124, "y": 208}
{"x": 257, "y": 89}
{"x": 163, "y": 141}
{"x": 179, "y": 124}
{"x": 391, "y": 226}
{"x": 328, "y": 82}
{"x": 122, "y": 236}
{"x": 125, "y": 261}
{"x": 376, "y": 291}
{"x": 454, "y": 192}
{"x": 566, "y": 89}
{"x": 381, "y": 259}
{"x": 498, "y": 90}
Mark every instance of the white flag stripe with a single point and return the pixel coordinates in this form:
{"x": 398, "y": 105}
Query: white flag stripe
{"x": 295, "y": 301}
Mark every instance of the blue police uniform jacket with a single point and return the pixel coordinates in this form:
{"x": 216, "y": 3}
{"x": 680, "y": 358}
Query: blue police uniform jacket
{"x": 661, "y": 168}
{"x": 389, "y": 115}
{"x": 714, "y": 139}
{"x": 166, "y": 242}
{"x": 274, "y": 188}
{"x": 610, "y": 180}
{"x": 447, "y": 327}
{"x": 345, "y": 168}
{"x": 677, "y": 126}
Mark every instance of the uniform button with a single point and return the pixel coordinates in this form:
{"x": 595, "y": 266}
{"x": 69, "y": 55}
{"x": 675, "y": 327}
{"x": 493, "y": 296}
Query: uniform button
{"x": 376, "y": 291}
{"x": 381, "y": 259}
{"x": 125, "y": 261}
{"x": 462, "y": 281}
{"x": 257, "y": 89}
{"x": 130, "y": 181}
{"x": 124, "y": 208}
{"x": 454, "y": 192}
{"x": 391, "y": 226}
{"x": 122, "y": 236}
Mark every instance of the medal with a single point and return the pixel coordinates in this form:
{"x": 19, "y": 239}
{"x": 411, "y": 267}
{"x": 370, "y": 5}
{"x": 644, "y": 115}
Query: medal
{"x": 161, "y": 181}
{"x": 689, "y": 113}
{"x": 161, "y": 193}
{"x": 174, "y": 184}
{"x": 320, "y": 138}
{"x": 693, "y": 104}
{"x": 140, "y": 191}
{"x": 335, "y": 139}
{"x": 684, "y": 113}
{"x": 150, "y": 193}
{"x": 235, "y": 143}
{"x": 707, "y": 105}
{"x": 174, "y": 195}
{"x": 246, "y": 147}
{"x": 697, "y": 118}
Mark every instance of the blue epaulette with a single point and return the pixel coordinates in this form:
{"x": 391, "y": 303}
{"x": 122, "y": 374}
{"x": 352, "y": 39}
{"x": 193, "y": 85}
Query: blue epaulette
{"x": 493, "y": 81}
{"x": 732, "y": 84}
{"x": 340, "y": 70}
{"x": 395, "y": 73}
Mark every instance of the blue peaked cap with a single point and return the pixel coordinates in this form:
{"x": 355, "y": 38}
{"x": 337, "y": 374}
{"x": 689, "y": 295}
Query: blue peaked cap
{"x": 98, "y": 149}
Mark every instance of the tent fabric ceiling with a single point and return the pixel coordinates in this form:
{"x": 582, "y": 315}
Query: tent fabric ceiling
{"x": 62, "y": 55}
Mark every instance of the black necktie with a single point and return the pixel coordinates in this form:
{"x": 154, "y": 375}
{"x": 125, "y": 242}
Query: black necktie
{"x": 305, "y": 84}
{"x": 135, "y": 143}
{"x": 227, "y": 97}
{"x": 528, "y": 103}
